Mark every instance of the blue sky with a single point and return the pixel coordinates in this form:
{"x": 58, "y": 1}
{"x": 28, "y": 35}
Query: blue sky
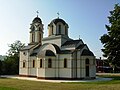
{"x": 86, "y": 18}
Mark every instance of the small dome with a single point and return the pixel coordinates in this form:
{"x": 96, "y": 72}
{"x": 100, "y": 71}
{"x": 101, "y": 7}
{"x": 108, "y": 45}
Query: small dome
{"x": 37, "y": 19}
{"x": 55, "y": 21}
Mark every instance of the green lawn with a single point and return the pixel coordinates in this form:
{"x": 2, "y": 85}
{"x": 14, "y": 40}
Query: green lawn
{"x": 15, "y": 84}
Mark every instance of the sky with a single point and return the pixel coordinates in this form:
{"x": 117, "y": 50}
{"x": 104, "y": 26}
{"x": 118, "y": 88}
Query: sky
{"x": 86, "y": 18}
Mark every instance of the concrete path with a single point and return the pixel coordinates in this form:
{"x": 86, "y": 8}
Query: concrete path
{"x": 112, "y": 74}
{"x": 56, "y": 81}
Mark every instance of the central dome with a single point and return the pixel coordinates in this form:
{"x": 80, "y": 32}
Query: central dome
{"x": 58, "y": 27}
{"x": 37, "y": 20}
{"x": 55, "y": 21}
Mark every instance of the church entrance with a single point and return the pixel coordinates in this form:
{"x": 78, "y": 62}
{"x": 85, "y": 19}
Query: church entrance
{"x": 87, "y": 71}
{"x": 87, "y": 67}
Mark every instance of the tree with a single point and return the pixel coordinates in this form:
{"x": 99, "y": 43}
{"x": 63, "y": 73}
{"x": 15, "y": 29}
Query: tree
{"x": 0, "y": 67}
{"x": 14, "y": 48}
{"x": 111, "y": 40}
{"x": 11, "y": 62}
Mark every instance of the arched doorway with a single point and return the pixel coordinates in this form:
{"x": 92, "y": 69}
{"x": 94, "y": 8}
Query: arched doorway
{"x": 87, "y": 67}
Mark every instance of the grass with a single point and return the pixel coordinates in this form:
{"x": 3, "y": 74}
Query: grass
{"x": 15, "y": 84}
{"x": 7, "y": 88}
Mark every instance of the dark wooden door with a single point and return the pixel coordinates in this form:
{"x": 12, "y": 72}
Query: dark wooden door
{"x": 87, "y": 71}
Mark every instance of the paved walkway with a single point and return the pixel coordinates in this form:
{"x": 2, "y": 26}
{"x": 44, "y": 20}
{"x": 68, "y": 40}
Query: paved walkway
{"x": 56, "y": 81}
{"x": 112, "y": 74}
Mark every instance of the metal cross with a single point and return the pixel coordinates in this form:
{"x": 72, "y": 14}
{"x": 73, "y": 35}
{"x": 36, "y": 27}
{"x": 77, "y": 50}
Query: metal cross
{"x": 79, "y": 37}
{"x": 37, "y": 12}
{"x": 58, "y": 14}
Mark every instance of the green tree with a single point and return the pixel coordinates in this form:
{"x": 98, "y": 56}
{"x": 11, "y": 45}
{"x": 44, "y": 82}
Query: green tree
{"x": 14, "y": 48}
{"x": 111, "y": 40}
{"x": 11, "y": 63}
{"x": 0, "y": 67}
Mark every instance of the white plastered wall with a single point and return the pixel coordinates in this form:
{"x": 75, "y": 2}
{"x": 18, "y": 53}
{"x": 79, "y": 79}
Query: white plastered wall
{"x": 50, "y": 72}
{"x": 64, "y": 72}
{"x": 24, "y": 55}
{"x": 32, "y": 70}
{"x": 40, "y": 70}
{"x": 92, "y": 66}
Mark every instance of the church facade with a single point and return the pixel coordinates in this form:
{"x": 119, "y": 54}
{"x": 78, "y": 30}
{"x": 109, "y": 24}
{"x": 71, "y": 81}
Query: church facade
{"x": 56, "y": 56}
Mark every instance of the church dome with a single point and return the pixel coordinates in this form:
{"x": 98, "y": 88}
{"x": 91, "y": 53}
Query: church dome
{"x": 58, "y": 27}
{"x": 37, "y": 19}
{"x": 55, "y": 21}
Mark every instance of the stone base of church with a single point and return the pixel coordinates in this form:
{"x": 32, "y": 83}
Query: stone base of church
{"x": 28, "y": 76}
{"x": 60, "y": 78}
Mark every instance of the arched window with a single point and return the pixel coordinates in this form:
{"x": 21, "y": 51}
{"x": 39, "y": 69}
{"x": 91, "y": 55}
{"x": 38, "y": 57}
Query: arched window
{"x": 39, "y": 29}
{"x": 24, "y": 64}
{"x": 59, "y": 29}
{"x": 33, "y": 63}
{"x": 65, "y": 63}
{"x": 65, "y": 30}
{"x": 49, "y": 63}
{"x": 40, "y": 37}
{"x": 24, "y": 53}
{"x": 52, "y": 30}
{"x": 40, "y": 63}
{"x": 33, "y": 37}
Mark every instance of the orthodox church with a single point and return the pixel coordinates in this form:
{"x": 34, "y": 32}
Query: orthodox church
{"x": 57, "y": 56}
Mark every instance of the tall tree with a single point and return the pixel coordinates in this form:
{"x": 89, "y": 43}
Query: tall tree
{"x": 11, "y": 62}
{"x": 111, "y": 40}
{"x": 0, "y": 67}
{"x": 14, "y": 48}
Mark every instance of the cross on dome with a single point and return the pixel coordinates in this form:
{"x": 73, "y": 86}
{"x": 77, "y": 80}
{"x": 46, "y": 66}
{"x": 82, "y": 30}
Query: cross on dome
{"x": 79, "y": 37}
{"x": 58, "y": 14}
{"x": 37, "y": 12}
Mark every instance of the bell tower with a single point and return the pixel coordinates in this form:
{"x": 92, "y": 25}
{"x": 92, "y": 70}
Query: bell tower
{"x": 36, "y": 31}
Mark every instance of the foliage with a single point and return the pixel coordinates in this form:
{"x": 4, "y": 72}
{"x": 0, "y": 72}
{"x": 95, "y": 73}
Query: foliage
{"x": 10, "y": 65}
{"x": 14, "y": 48}
{"x": 111, "y": 40}
{"x": 0, "y": 67}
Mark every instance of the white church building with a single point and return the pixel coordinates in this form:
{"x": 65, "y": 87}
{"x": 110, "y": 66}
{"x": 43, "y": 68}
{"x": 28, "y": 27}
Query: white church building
{"x": 57, "y": 56}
